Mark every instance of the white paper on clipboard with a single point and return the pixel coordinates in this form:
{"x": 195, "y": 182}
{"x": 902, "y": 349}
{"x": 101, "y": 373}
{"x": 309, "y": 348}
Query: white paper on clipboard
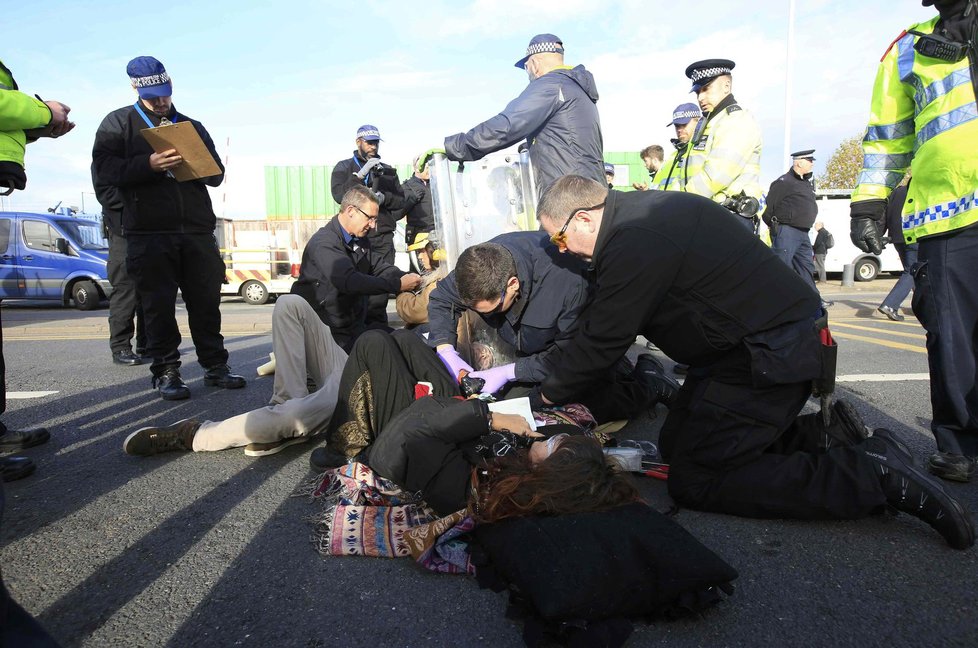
{"x": 519, "y": 406}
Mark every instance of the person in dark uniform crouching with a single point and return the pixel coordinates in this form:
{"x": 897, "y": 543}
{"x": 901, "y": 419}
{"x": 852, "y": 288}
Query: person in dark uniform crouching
{"x": 169, "y": 229}
{"x": 677, "y": 269}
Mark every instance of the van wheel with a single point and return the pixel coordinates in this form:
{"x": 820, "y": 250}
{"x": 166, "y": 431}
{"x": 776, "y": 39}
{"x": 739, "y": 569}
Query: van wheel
{"x": 254, "y": 292}
{"x": 86, "y": 296}
{"x": 866, "y": 270}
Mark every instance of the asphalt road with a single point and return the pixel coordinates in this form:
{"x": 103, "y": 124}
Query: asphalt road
{"x": 212, "y": 549}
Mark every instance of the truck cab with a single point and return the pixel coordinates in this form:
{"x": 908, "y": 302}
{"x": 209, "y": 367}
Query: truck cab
{"x": 53, "y": 256}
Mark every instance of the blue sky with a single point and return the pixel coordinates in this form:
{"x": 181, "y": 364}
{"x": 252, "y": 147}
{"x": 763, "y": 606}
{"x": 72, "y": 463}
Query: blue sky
{"x": 289, "y": 82}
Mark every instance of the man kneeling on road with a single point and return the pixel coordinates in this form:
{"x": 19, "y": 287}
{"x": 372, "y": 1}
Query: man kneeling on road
{"x": 677, "y": 269}
{"x": 304, "y": 352}
{"x": 531, "y": 296}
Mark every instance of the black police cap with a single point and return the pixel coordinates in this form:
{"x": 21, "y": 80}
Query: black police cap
{"x": 803, "y": 154}
{"x": 702, "y": 72}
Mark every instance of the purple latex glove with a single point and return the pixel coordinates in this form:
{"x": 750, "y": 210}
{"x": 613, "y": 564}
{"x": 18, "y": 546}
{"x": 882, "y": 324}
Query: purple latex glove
{"x": 496, "y": 378}
{"x": 453, "y": 361}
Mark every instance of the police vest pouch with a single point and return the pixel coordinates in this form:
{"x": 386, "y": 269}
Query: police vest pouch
{"x": 12, "y": 177}
{"x": 788, "y": 354}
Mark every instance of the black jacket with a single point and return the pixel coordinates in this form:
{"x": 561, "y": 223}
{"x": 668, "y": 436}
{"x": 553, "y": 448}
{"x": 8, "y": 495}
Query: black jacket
{"x": 553, "y": 290}
{"x": 791, "y": 199}
{"x": 152, "y": 202}
{"x": 557, "y": 115}
{"x": 337, "y": 280}
{"x": 417, "y": 206}
{"x": 428, "y": 447}
{"x": 821, "y": 244}
{"x": 382, "y": 178}
{"x": 677, "y": 269}
{"x": 894, "y": 214}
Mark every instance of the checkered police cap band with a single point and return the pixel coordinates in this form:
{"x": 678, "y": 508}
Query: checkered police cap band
{"x": 540, "y": 48}
{"x": 150, "y": 81}
{"x": 368, "y": 133}
{"x": 708, "y": 73}
{"x": 685, "y": 114}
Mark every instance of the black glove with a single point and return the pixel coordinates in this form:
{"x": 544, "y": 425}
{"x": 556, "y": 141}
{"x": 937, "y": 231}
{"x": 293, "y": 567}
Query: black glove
{"x": 864, "y": 228}
{"x": 536, "y": 400}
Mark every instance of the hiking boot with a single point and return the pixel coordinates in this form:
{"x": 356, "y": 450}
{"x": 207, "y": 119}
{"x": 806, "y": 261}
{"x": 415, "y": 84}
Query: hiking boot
{"x": 13, "y": 468}
{"x": 19, "y": 439}
{"x": 891, "y": 312}
{"x": 650, "y": 372}
{"x": 154, "y": 440}
{"x": 264, "y": 449}
{"x": 221, "y": 376}
{"x": 910, "y": 489}
{"x": 847, "y": 427}
{"x": 170, "y": 385}
{"x": 952, "y": 467}
{"x": 324, "y": 458}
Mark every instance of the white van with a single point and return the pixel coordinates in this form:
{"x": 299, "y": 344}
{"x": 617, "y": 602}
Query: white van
{"x": 833, "y": 211}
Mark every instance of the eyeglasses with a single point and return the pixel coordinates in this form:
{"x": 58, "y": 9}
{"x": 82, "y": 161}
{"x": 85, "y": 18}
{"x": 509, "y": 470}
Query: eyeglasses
{"x": 369, "y": 217}
{"x": 560, "y": 238}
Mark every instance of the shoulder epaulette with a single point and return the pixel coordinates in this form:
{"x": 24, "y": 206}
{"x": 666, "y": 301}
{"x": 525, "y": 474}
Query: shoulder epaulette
{"x": 732, "y": 108}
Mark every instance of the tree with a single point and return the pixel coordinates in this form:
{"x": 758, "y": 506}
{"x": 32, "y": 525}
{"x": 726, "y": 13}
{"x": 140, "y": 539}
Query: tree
{"x": 844, "y": 166}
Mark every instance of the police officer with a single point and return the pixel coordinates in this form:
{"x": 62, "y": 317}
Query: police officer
{"x": 169, "y": 229}
{"x": 685, "y": 118}
{"x": 790, "y": 213}
{"x": 723, "y": 159}
{"x": 609, "y": 174}
{"x": 366, "y": 169}
{"x": 922, "y": 112}
{"x": 677, "y": 269}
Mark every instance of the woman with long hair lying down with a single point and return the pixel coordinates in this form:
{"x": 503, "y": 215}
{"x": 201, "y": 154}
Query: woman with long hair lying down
{"x": 449, "y": 449}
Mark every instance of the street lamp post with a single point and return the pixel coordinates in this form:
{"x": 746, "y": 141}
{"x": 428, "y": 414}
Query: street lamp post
{"x": 789, "y": 64}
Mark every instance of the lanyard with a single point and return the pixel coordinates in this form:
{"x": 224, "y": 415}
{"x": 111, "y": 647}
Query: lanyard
{"x": 142, "y": 114}
{"x": 366, "y": 179}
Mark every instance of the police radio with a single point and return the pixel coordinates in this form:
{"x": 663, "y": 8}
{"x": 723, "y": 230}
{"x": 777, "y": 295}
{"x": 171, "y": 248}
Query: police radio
{"x": 939, "y": 47}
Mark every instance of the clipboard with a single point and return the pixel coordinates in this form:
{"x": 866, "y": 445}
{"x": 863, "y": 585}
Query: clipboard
{"x": 197, "y": 160}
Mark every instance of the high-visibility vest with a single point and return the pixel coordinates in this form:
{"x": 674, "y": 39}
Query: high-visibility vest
{"x": 723, "y": 158}
{"x": 924, "y": 117}
{"x": 666, "y": 181}
{"x": 18, "y": 112}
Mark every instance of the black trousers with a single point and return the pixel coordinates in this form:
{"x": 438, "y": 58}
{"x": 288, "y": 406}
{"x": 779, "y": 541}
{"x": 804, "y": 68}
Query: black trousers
{"x": 383, "y": 245}
{"x": 945, "y": 301}
{"x": 394, "y": 363}
{"x": 125, "y": 307}
{"x": 162, "y": 263}
{"x": 743, "y": 450}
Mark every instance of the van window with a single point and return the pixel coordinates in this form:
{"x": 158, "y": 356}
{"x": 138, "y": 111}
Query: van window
{"x": 4, "y": 234}
{"x": 38, "y": 235}
{"x": 88, "y": 234}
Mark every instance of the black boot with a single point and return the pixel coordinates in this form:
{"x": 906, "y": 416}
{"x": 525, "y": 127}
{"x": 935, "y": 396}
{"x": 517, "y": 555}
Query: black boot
{"x": 953, "y": 467}
{"x": 170, "y": 385}
{"x": 910, "y": 489}
{"x": 648, "y": 370}
{"x": 221, "y": 376}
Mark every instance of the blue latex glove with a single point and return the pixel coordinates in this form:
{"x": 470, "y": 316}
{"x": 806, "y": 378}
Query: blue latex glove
{"x": 453, "y": 361}
{"x": 496, "y": 378}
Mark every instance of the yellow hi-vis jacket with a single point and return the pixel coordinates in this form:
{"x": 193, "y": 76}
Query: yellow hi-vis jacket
{"x": 923, "y": 112}
{"x": 723, "y": 158}
{"x": 18, "y": 112}
{"x": 664, "y": 181}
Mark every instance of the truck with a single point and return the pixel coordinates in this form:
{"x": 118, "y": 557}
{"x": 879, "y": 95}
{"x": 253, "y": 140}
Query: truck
{"x": 53, "y": 256}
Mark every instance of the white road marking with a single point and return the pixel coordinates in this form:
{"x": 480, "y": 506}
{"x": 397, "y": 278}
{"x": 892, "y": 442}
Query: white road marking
{"x": 29, "y": 394}
{"x": 882, "y": 377}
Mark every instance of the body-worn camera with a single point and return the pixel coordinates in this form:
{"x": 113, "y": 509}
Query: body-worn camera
{"x": 742, "y": 205}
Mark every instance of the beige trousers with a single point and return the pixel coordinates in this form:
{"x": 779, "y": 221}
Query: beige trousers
{"x": 304, "y": 348}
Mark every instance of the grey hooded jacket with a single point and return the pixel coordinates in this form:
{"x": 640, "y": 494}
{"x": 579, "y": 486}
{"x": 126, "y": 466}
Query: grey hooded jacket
{"x": 557, "y": 114}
